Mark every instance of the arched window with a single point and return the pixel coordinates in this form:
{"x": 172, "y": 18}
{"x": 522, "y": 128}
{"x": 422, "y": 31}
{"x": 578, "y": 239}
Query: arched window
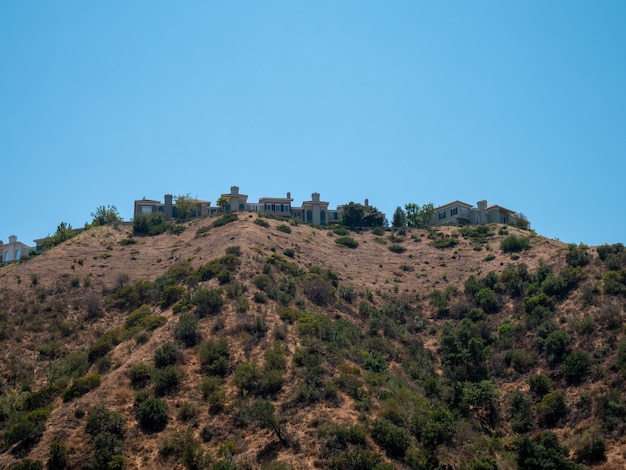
{"x": 6, "y": 256}
{"x": 309, "y": 216}
{"x": 18, "y": 254}
{"x": 323, "y": 217}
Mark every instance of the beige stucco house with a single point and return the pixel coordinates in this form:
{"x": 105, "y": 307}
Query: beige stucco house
{"x": 14, "y": 250}
{"x": 462, "y": 213}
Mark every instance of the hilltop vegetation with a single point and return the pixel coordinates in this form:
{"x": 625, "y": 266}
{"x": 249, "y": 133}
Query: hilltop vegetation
{"x": 247, "y": 342}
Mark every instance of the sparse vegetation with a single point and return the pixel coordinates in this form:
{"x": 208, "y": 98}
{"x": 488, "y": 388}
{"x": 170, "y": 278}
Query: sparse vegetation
{"x": 386, "y": 363}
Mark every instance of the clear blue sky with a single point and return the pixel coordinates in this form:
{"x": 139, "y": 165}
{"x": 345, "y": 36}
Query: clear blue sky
{"x": 519, "y": 103}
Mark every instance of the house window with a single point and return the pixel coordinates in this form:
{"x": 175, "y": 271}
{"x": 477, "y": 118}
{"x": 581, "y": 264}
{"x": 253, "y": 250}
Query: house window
{"x": 454, "y": 211}
{"x": 309, "y": 216}
{"x": 335, "y": 215}
{"x": 442, "y": 215}
{"x": 323, "y": 217}
{"x": 6, "y": 256}
{"x": 146, "y": 209}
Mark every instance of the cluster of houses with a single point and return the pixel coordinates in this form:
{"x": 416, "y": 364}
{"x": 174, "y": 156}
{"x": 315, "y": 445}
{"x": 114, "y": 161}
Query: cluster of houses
{"x": 314, "y": 211}
{"x": 317, "y": 211}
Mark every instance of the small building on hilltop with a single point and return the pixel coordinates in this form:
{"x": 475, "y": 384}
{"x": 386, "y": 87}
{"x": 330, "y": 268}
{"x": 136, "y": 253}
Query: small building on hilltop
{"x": 14, "y": 250}
{"x": 462, "y": 213}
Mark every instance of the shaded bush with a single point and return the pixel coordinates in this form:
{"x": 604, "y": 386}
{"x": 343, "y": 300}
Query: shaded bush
{"x": 224, "y": 219}
{"x": 319, "y": 291}
{"x": 167, "y": 354}
{"x": 208, "y": 302}
{"x": 544, "y": 453}
{"x": 283, "y": 228}
{"x": 167, "y": 379}
{"x": 591, "y": 451}
{"x": 139, "y": 374}
{"x": 513, "y": 244}
{"x": 187, "y": 331}
{"x": 348, "y": 242}
{"x": 100, "y": 419}
{"x": 214, "y": 357}
{"x": 151, "y": 415}
{"x": 393, "y": 439}
{"x": 27, "y": 430}
{"x": 576, "y": 367}
{"x": 552, "y": 407}
{"x": 58, "y": 456}
{"x": 81, "y": 386}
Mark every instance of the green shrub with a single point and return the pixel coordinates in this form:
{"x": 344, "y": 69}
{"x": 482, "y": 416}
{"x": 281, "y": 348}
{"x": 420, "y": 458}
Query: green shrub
{"x": 283, "y": 228}
{"x": 556, "y": 345}
{"x": 513, "y": 244}
{"x": 390, "y": 437}
{"x": 108, "y": 453}
{"x": 152, "y": 415}
{"x": 261, "y": 222}
{"x": 136, "y": 317}
{"x": 100, "y": 419}
{"x": 167, "y": 379}
{"x": 187, "y": 331}
{"x": 341, "y": 231}
{"x": 214, "y": 357}
{"x": 522, "y": 360}
{"x": 27, "y": 464}
{"x": 591, "y": 451}
{"x": 208, "y": 302}
{"x": 167, "y": 354}
{"x": 81, "y": 386}
{"x": 487, "y": 300}
{"x": 28, "y": 430}
{"x": 540, "y": 385}
{"x": 319, "y": 291}
{"x": 348, "y": 242}
{"x": 577, "y": 255}
{"x": 139, "y": 374}
{"x": 576, "y": 367}
{"x": 224, "y": 219}
{"x": 58, "y": 455}
{"x": 552, "y": 407}
{"x": 445, "y": 242}
{"x": 171, "y": 294}
{"x": 544, "y": 453}
{"x": 396, "y": 248}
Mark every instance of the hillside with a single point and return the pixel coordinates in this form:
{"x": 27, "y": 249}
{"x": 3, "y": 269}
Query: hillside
{"x": 259, "y": 344}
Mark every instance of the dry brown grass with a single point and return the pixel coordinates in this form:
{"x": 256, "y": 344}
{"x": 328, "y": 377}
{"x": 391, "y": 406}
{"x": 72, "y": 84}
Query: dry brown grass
{"x": 98, "y": 255}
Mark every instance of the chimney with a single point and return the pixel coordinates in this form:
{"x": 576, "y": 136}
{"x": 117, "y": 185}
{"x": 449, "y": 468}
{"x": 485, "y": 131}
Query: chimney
{"x": 12, "y": 239}
{"x": 367, "y": 202}
{"x": 482, "y": 213}
{"x": 288, "y": 195}
{"x": 168, "y": 207}
{"x": 234, "y": 190}
{"x": 315, "y": 197}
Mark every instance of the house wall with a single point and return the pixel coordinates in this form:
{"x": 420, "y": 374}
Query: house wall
{"x": 14, "y": 250}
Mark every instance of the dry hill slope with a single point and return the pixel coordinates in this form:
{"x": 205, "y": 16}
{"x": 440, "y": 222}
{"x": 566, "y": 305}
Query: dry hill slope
{"x": 273, "y": 346}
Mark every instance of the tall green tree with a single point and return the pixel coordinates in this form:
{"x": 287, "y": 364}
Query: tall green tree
{"x": 419, "y": 216}
{"x": 358, "y": 215}
{"x": 399, "y": 218}
{"x": 184, "y": 206}
{"x": 222, "y": 202}
{"x": 105, "y": 216}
